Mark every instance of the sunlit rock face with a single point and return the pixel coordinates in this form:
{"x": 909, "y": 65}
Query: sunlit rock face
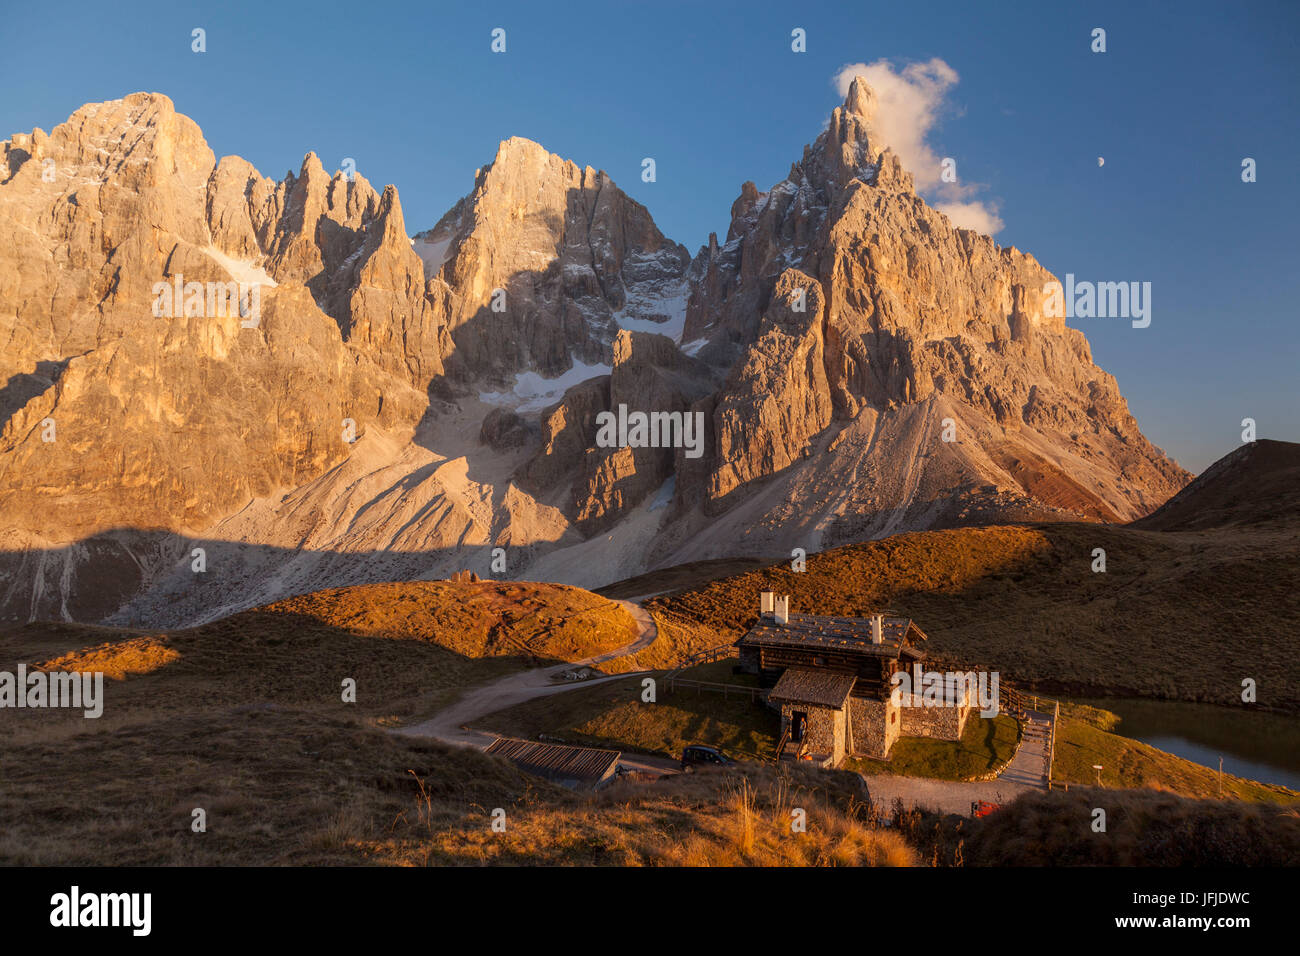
{"x": 378, "y": 405}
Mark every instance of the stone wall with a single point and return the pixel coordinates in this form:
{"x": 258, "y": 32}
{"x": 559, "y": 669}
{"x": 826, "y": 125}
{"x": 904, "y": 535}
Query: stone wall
{"x": 941, "y": 722}
{"x": 824, "y": 731}
{"x": 875, "y": 725}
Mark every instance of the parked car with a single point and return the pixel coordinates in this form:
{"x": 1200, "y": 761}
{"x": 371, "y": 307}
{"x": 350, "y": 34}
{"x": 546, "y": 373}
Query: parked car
{"x": 699, "y": 755}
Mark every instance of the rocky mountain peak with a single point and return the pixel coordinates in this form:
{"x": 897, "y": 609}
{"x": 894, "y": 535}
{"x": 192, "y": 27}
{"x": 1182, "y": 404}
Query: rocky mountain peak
{"x": 861, "y": 100}
{"x": 826, "y": 347}
{"x": 538, "y": 267}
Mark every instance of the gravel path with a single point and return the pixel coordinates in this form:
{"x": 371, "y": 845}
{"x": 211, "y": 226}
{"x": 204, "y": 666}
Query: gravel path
{"x": 450, "y": 724}
{"x": 1025, "y": 772}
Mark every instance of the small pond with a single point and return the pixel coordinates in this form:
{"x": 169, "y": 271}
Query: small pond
{"x": 1253, "y": 744}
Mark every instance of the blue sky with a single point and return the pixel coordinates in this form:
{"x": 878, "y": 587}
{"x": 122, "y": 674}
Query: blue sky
{"x": 414, "y": 94}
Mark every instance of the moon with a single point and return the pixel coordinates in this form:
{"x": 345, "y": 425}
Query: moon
{"x": 1101, "y": 160}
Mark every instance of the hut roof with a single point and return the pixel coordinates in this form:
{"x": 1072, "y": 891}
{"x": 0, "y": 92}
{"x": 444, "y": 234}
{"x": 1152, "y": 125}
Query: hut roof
{"x": 806, "y": 685}
{"x": 850, "y": 634}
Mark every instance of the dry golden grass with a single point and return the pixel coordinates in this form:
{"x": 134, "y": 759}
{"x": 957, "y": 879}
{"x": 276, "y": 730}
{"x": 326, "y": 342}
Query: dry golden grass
{"x": 279, "y": 786}
{"x": 139, "y": 655}
{"x": 677, "y": 639}
{"x": 1176, "y": 615}
{"x": 1143, "y": 828}
{"x": 243, "y": 718}
{"x": 704, "y": 819}
{"x": 547, "y": 622}
{"x": 284, "y": 786}
{"x": 680, "y": 577}
{"x": 411, "y": 648}
{"x": 41, "y": 640}
{"x": 1127, "y": 763}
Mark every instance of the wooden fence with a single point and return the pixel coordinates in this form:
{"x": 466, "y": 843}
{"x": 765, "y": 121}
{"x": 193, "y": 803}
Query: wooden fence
{"x": 726, "y": 690}
{"x": 674, "y": 682}
{"x": 703, "y": 657}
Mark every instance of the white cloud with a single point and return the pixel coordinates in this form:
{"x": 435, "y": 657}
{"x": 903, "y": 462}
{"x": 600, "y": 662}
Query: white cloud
{"x": 909, "y": 102}
{"x": 980, "y": 216}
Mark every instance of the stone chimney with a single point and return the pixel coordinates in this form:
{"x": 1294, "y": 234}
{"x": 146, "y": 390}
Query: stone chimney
{"x": 878, "y": 629}
{"x": 783, "y": 609}
{"x": 766, "y": 603}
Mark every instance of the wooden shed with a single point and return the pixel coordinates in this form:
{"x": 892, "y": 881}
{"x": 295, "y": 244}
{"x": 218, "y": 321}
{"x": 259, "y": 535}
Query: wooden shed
{"x": 578, "y": 768}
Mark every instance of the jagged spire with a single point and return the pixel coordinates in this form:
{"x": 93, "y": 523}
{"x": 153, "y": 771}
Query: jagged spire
{"x": 861, "y": 99}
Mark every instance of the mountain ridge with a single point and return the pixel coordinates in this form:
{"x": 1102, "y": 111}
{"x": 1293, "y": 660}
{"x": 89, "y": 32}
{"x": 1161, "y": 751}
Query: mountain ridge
{"x": 829, "y": 344}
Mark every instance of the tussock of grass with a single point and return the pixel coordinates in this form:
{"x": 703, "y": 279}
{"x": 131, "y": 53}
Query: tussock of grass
{"x": 704, "y": 819}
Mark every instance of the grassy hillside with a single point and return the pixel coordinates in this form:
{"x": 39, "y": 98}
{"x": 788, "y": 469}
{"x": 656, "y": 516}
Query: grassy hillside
{"x": 409, "y": 647}
{"x": 243, "y": 718}
{"x": 286, "y": 787}
{"x": 292, "y": 779}
{"x": 1176, "y": 615}
{"x": 279, "y": 786}
{"x": 1083, "y": 741}
{"x": 1257, "y": 485}
{"x": 545, "y": 622}
{"x": 1143, "y": 828}
{"x": 703, "y": 819}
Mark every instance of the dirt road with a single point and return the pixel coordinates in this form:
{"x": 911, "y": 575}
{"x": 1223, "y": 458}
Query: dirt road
{"x": 450, "y": 724}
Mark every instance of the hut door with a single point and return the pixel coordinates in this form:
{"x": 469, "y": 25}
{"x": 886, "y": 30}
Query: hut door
{"x": 798, "y": 721}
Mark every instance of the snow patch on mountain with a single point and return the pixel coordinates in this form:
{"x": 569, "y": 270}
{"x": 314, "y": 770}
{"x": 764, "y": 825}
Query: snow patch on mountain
{"x": 532, "y": 392}
{"x": 243, "y": 271}
{"x": 432, "y": 253}
{"x": 666, "y": 304}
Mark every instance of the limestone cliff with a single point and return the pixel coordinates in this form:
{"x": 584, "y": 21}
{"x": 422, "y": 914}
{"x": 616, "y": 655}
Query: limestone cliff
{"x": 394, "y": 406}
